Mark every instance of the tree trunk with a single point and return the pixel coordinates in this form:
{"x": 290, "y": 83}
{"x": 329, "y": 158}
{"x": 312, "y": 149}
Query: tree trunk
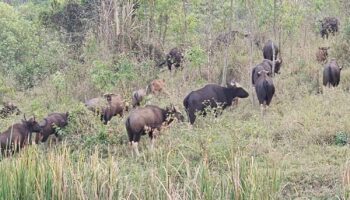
{"x": 224, "y": 70}
{"x": 184, "y": 3}
{"x": 165, "y": 29}
{"x": 209, "y": 37}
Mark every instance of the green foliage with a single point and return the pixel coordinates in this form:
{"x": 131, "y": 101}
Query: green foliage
{"x": 196, "y": 55}
{"x": 341, "y": 138}
{"x": 106, "y": 76}
{"x": 342, "y": 49}
{"x": 58, "y": 81}
{"x": 102, "y": 76}
{"x": 24, "y": 51}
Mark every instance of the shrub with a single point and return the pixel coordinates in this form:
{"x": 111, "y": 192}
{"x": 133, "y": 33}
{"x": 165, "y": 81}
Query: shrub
{"x": 25, "y": 49}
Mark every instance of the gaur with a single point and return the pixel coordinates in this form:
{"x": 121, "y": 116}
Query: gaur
{"x": 49, "y": 125}
{"x": 174, "y": 58}
{"x": 107, "y": 107}
{"x": 265, "y": 65}
{"x": 322, "y": 54}
{"x": 18, "y": 135}
{"x": 331, "y": 73}
{"x": 212, "y": 95}
{"x": 264, "y": 89}
{"x": 329, "y": 25}
{"x": 137, "y": 97}
{"x": 149, "y": 120}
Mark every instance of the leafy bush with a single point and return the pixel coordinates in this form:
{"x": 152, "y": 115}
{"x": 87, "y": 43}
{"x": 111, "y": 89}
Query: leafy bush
{"x": 106, "y": 76}
{"x": 196, "y": 55}
{"x": 25, "y": 49}
{"x": 341, "y": 139}
{"x": 342, "y": 49}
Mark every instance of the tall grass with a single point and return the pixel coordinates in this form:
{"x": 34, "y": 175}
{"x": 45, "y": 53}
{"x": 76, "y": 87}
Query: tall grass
{"x": 58, "y": 174}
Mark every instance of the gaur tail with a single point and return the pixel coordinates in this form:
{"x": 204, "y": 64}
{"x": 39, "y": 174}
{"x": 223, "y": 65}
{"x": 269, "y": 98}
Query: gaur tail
{"x": 330, "y": 77}
{"x": 266, "y": 87}
{"x": 273, "y": 59}
{"x": 136, "y": 96}
{"x": 253, "y": 72}
{"x": 128, "y": 126}
{"x": 186, "y": 103}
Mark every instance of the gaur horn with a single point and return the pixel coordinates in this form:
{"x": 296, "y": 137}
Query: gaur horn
{"x": 106, "y": 94}
{"x": 233, "y": 82}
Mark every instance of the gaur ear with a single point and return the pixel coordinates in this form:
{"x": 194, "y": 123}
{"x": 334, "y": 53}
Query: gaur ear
{"x": 341, "y": 67}
{"x": 24, "y": 116}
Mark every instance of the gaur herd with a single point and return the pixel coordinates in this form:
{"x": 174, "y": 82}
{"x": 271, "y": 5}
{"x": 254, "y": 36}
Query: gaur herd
{"x": 151, "y": 119}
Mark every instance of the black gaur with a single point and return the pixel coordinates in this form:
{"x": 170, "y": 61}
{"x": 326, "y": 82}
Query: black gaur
{"x": 265, "y": 65}
{"x": 212, "y": 95}
{"x": 331, "y": 73}
{"x": 18, "y": 135}
{"x": 264, "y": 89}
{"x": 49, "y": 125}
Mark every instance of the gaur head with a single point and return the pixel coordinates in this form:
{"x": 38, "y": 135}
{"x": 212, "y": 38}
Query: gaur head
{"x": 323, "y": 48}
{"x": 238, "y": 89}
{"x": 278, "y": 64}
{"x": 31, "y": 124}
{"x": 108, "y": 96}
{"x": 173, "y": 113}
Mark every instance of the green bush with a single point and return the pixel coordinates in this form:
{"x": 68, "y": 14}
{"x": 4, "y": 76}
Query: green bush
{"x": 27, "y": 52}
{"x": 106, "y": 76}
{"x": 341, "y": 139}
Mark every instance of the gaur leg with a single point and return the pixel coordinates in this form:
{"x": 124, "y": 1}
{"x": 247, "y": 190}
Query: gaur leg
{"x": 169, "y": 65}
{"x": 130, "y": 136}
{"x": 191, "y": 116}
{"x": 45, "y": 138}
{"x": 263, "y": 109}
{"x": 135, "y": 142}
{"x": 135, "y": 148}
{"x": 38, "y": 137}
{"x": 58, "y": 137}
{"x": 152, "y": 138}
{"x": 155, "y": 134}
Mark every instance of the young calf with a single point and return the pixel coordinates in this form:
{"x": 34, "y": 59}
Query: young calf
{"x": 149, "y": 120}
{"x": 137, "y": 97}
{"x": 107, "y": 107}
{"x": 49, "y": 125}
{"x": 18, "y": 135}
{"x": 156, "y": 86}
{"x": 322, "y": 54}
